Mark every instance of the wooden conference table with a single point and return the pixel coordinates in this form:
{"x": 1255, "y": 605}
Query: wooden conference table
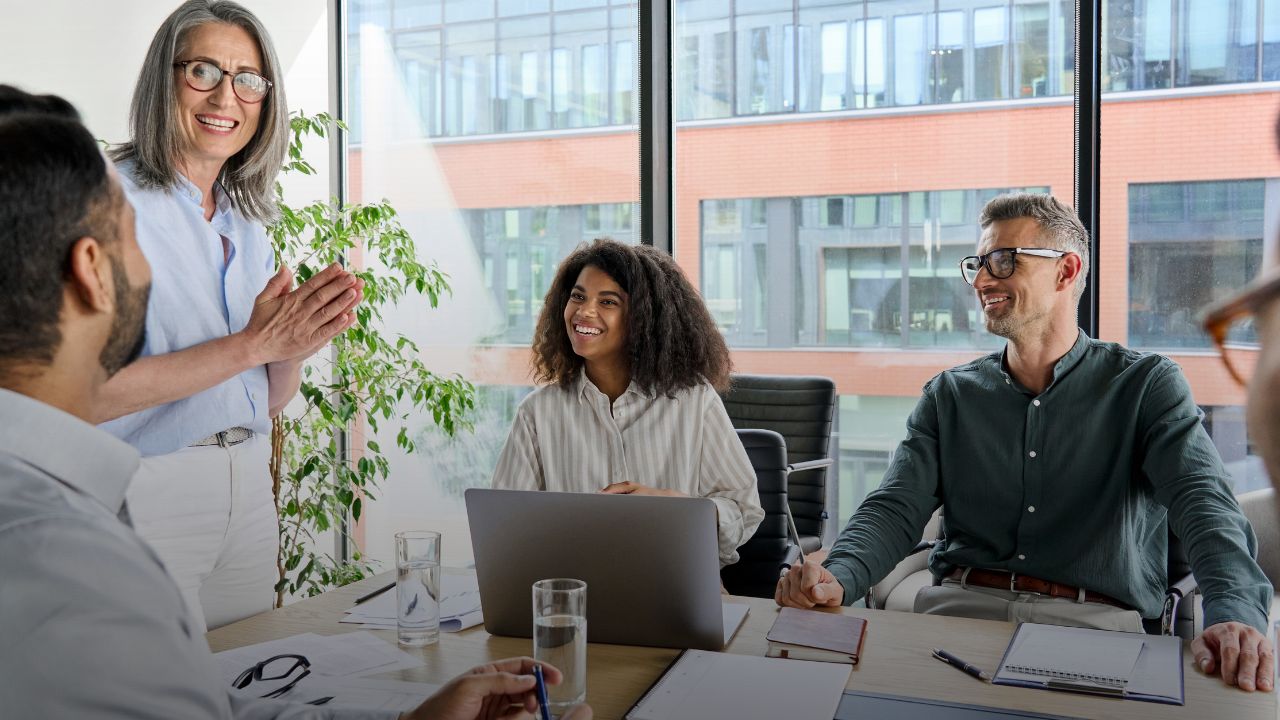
{"x": 896, "y": 661}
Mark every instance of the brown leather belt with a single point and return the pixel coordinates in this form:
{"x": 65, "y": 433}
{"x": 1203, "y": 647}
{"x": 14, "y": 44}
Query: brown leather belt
{"x": 1014, "y": 582}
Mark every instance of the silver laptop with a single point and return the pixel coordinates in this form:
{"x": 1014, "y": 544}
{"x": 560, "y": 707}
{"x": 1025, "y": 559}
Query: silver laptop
{"x": 651, "y": 564}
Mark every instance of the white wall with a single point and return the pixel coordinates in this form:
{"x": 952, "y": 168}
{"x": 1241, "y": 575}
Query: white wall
{"x": 90, "y": 53}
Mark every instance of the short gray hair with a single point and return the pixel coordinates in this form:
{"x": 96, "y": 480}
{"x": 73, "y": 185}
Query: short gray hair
{"x": 1059, "y": 225}
{"x": 249, "y": 177}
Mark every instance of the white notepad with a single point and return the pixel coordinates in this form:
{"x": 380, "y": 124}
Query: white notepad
{"x": 702, "y": 685}
{"x": 1130, "y": 665}
{"x": 1061, "y": 653}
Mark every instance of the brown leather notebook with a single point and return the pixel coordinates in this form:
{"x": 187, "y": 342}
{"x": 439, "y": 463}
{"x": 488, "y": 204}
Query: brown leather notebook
{"x": 812, "y": 635}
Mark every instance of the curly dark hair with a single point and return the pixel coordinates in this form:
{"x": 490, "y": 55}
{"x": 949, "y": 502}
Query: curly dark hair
{"x": 672, "y": 341}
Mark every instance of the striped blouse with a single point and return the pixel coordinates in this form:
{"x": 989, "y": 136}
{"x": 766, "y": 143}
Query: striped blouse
{"x": 569, "y": 441}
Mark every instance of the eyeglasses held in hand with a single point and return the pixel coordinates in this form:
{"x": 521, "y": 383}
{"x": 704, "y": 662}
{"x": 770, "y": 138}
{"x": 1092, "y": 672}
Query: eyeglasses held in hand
{"x": 275, "y": 668}
{"x": 1001, "y": 262}
{"x": 204, "y": 76}
{"x": 1222, "y": 316}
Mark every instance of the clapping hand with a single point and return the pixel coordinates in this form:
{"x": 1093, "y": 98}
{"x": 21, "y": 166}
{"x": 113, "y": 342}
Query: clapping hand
{"x": 292, "y": 324}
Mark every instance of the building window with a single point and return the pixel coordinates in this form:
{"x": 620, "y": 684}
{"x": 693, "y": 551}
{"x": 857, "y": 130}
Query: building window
{"x": 1191, "y": 243}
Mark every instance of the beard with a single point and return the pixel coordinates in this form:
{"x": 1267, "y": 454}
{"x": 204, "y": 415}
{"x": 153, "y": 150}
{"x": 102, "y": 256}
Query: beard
{"x": 1012, "y": 325}
{"x": 1005, "y": 326}
{"x": 128, "y": 328}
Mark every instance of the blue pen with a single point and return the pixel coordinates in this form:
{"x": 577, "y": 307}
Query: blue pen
{"x": 543, "y": 705}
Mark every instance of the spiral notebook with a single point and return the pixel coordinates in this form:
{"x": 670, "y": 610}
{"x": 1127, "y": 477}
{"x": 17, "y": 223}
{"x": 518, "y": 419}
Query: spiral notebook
{"x": 1129, "y": 665}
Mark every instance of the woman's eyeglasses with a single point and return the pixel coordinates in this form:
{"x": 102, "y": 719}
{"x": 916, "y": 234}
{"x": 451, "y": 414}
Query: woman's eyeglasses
{"x": 204, "y": 76}
{"x": 1223, "y": 316}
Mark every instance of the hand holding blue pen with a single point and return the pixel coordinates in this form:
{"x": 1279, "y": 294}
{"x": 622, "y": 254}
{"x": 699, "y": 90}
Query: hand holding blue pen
{"x": 543, "y": 705}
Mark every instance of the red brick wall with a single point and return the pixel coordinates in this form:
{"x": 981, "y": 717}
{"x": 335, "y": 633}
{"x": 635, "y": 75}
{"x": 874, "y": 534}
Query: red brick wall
{"x": 1175, "y": 139}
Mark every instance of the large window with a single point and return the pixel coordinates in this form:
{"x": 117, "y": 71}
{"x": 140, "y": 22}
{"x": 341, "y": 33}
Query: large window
{"x": 503, "y": 132}
{"x": 1187, "y": 187}
{"x": 828, "y": 242}
{"x": 831, "y": 157}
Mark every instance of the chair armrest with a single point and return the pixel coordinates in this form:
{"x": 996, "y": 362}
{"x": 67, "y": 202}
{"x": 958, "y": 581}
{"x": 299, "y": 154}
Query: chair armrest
{"x": 792, "y": 557}
{"x": 1185, "y": 586}
{"x": 810, "y": 465}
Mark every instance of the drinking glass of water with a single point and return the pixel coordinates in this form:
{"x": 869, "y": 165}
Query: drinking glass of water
{"x": 560, "y": 638}
{"x": 417, "y": 587}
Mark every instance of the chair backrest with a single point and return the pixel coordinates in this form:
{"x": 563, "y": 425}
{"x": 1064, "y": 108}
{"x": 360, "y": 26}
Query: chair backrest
{"x": 759, "y": 559}
{"x": 801, "y": 410}
{"x": 1260, "y": 507}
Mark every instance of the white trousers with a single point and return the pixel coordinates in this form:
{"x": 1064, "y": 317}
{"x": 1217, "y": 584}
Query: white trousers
{"x": 209, "y": 514}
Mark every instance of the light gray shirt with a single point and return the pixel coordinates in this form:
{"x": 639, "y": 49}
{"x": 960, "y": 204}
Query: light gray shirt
{"x": 572, "y": 440}
{"x": 91, "y": 624}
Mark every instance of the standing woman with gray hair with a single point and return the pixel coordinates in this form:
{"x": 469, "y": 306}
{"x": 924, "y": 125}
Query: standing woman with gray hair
{"x": 226, "y": 332}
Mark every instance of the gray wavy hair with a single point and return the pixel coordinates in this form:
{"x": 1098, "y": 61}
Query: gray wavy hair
{"x": 155, "y": 146}
{"x": 1060, "y": 228}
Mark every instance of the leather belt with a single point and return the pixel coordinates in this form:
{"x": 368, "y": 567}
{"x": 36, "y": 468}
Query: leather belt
{"x": 1014, "y": 582}
{"x": 226, "y": 438}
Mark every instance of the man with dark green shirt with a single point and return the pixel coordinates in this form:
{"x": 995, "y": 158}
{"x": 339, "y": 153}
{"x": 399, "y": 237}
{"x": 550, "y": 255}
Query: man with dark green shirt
{"x": 1062, "y": 462}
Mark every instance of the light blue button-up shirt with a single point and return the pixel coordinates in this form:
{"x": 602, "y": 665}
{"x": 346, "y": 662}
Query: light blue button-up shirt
{"x": 197, "y": 297}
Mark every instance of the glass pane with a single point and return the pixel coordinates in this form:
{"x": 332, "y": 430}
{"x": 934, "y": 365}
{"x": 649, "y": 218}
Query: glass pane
{"x": 1184, "y": 210}
{"x": 832, "y": 247}
{"x": 451, "y": 118}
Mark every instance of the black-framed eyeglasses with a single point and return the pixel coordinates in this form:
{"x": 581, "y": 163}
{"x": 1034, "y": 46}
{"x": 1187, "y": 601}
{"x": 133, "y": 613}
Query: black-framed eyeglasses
{"x": 275, "y": 668}
{"x": 1001, "y": 262}
{"x": 204, "y": 76}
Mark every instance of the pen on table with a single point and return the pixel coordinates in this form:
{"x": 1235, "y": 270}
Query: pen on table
{"x": 375, "y": 593}
{"x": 960, "y": 665}
{"x": 541, "y": 686}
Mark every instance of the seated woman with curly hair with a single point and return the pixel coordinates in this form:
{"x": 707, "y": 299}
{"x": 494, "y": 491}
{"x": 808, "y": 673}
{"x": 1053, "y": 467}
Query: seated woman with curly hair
{"x": 630, "y": 362}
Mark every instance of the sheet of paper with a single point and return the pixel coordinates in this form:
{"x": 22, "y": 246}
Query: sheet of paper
{"x": 734, "y": 614}
{"x": 710, "y": 686}
{"x": 459, "y": 607}
{"x": 357, "y": 653}
{"x": 353, "y": 692}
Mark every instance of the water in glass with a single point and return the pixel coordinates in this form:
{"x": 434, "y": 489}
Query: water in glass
{"x": 418, "y": 602}
{"x": 561, "y": 640}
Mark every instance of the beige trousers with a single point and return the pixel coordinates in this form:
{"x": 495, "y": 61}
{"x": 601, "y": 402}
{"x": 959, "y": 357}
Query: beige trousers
{"x": 952, "y": 598}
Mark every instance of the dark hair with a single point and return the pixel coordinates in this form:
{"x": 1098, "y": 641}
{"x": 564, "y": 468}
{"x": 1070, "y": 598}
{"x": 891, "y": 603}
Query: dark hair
{"x": 54, "y": 190}
{"x": 672, "y": 341}
{"x": 13, "y": 100}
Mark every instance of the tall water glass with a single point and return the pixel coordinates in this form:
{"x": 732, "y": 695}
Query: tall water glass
{"x": 560, "y": 637}
{"x": 417, "y": 587}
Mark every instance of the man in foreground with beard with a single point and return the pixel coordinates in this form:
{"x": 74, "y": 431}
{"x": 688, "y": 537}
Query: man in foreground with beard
{"x": 1061, "y": 463}
{"x": 92, "y": 625}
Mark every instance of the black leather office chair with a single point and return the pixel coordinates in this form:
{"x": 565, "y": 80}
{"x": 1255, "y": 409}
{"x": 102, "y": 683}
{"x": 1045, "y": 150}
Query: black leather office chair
{"x": 801, "y": 410}
{"x": 761, "y": 558}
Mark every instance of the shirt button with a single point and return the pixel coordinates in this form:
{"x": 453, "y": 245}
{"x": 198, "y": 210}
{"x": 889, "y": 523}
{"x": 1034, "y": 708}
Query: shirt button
{"x": 1031, "y": 508}
{"x": 1006, "y": 381}
{"x": 1036, "y": 403}
{"x": 1032, "y": 453}
{"x": 1022, "y": 557}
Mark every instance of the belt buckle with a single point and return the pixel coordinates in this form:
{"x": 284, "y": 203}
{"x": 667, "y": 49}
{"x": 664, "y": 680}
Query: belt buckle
{"x": 222, "y": 439}
{"x": 1013, "y": 581}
